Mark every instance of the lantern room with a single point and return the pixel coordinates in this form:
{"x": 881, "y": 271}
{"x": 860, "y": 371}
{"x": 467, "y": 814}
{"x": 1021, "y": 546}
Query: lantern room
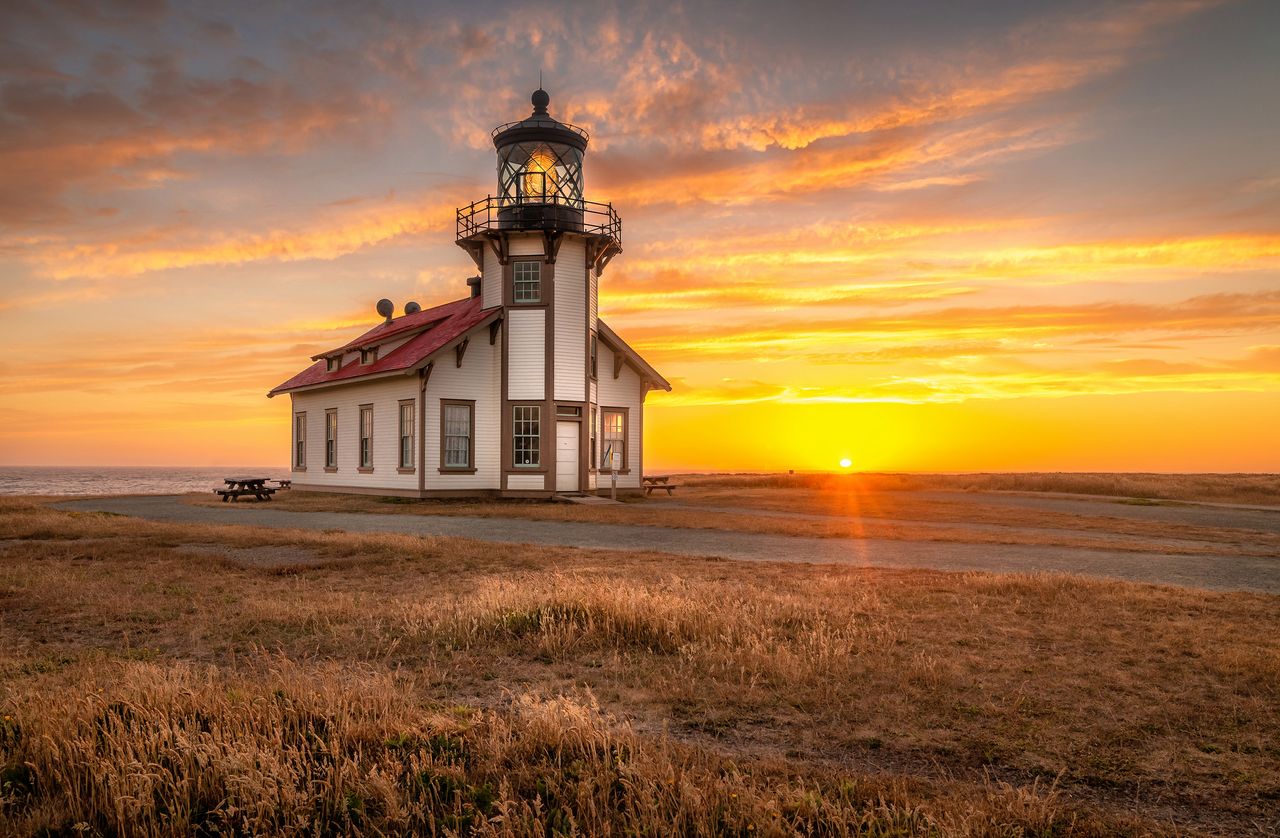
{"x": 540, "y": 169}
{"x": 540, "y": 188}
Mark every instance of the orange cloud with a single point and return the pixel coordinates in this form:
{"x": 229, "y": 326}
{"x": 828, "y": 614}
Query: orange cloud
{"x": 58, "y": 136}
{"x": 342, "y": 230}
{"x": 1213, "y": 314}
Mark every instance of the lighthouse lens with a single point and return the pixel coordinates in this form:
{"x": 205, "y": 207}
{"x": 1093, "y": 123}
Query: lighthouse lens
{"x": 540, "y": 179}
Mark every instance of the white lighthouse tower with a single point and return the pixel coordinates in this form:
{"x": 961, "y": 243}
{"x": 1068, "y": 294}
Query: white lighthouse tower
{"x": 541, "y": 248}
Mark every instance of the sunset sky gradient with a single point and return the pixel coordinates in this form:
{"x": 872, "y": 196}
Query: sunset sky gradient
{"x": 923, "y": 236}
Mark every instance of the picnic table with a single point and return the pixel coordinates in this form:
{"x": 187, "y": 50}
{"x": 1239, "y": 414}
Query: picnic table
{"x": 239, "y": 486}
{"x": 661, "y": 482}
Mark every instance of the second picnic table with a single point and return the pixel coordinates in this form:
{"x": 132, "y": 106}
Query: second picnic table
{"x": 239, "y": 486}
{"x": 657, "y": 482}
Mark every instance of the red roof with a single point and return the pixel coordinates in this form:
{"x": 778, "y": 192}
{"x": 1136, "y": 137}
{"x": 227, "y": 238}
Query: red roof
{"x": 442, "y": 325}
{"x": 384, "y": 332}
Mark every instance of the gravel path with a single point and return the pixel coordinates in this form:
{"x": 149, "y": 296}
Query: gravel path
{"x": 1219, "y": 572}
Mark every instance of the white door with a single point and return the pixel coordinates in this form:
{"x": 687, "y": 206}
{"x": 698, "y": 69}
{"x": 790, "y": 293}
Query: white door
{"x": 566, "y": 456}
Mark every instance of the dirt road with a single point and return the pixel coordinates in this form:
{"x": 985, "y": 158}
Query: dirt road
{"x": 1252, "y": 573}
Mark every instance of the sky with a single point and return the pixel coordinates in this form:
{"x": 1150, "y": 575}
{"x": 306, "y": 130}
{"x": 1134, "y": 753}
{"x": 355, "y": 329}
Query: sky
{"x": 921, "y": 236}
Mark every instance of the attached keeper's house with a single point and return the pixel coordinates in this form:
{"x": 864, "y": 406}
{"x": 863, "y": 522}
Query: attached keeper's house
{"x": 518, "y": 389}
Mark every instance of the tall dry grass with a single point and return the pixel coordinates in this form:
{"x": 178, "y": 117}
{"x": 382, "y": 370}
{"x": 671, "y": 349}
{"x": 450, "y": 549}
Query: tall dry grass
{"x": 1106, "y": 707}
{"x": 149, "y": 750}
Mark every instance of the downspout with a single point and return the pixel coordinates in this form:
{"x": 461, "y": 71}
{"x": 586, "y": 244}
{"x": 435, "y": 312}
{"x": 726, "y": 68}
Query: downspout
{"x": 423, "y": 375}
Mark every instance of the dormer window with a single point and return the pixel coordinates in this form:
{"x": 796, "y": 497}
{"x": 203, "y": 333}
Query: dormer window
{"x": 332, "y": 364}
{"x": 368, "y": 356}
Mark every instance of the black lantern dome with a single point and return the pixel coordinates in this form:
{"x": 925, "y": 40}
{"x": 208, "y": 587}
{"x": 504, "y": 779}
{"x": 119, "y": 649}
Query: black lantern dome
{"x": 540, "y": 188}
{"x": 540, "y": 170}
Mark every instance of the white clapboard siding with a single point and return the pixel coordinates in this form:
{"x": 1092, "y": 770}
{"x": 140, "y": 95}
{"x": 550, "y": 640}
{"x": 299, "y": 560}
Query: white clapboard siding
{"x": 526, "y": 481}
{"x": 385, "y": 395}
{"x": 479, "y": 380}
{"x": 491, "y": 280}
{"x": 526, "y": 357}
{"x": 525, "y": 246}
{"x": 623, "y": 391}
{"x": 570, "y": 358}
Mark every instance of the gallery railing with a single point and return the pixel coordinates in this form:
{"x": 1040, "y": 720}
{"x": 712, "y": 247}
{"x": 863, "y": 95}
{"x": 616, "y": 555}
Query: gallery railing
{"x": 527, "y": 213}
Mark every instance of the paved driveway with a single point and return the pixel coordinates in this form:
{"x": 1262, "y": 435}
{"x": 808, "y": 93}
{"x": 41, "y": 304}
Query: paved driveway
{"x": 1220, "y": 572}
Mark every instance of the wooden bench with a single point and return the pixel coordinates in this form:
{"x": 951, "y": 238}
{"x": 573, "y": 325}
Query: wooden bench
{"x": 652, "y": 483}
{"x": 284, "y": 484}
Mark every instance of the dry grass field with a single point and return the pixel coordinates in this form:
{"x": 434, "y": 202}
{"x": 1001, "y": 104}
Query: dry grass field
{"x": 1261, "y": 489}
{"x": 160, "y": 679}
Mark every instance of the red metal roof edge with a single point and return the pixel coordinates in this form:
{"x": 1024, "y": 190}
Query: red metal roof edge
{"x": 398, "y": 326}
{"x": 404, "y": 358}
{"x": 641, "y": 365}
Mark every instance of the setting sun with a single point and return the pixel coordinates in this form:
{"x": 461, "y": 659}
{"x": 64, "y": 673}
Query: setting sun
{"x": 846, "y": 462}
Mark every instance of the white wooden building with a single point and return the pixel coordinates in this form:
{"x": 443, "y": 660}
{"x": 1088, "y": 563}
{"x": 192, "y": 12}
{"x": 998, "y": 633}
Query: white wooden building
{"x": 518, "y": 389}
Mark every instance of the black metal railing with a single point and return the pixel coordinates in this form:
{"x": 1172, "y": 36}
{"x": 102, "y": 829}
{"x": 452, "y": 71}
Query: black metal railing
{"x": 545, "y": 121}
{"x": 528, "y": 213}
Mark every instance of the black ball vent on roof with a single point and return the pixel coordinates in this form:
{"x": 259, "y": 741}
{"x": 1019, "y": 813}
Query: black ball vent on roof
{"x": 386, "y": 308}
{"x": 412, "y": 307}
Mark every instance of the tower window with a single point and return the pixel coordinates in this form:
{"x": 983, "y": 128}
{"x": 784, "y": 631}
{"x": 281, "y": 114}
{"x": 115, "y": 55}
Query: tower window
{"x": 526, "y": 435}
{"x": 527, "y": 283}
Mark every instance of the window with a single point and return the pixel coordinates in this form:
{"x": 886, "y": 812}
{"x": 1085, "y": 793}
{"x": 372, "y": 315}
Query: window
{"x": 457, "y": 435}
{"x": 368, "y": 356}
{"x": 366, "y": 437}
{"x": 595, "y": 357}
{"x": 331, "y": 439}
{"x": 614, "y": 435}
{"x": 406, "y": 435}
{"x": 527, "y": 434}
{"x": 569, "y": 410}
{"x": 593, "y": 433}
{"x": 527, "y": 282}
{"x": 300, "y": 441}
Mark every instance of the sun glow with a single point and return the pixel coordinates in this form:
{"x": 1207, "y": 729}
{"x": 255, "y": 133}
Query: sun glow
{"x": 846, "y": 463}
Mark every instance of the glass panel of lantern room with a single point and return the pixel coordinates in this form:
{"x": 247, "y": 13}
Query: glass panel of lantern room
{"x": 540, "y": 173}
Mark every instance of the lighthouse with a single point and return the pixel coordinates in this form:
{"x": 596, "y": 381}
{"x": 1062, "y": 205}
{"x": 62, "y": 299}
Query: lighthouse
{"x": 517, "y": 390}
{"x": 541, "y": 248}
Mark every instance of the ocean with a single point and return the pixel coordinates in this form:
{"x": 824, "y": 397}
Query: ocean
{"x": 123, "y": 480}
